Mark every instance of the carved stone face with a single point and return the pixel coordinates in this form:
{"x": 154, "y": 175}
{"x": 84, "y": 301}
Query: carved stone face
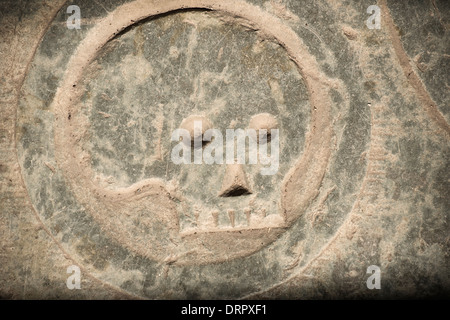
{"x": 204, "y": 73}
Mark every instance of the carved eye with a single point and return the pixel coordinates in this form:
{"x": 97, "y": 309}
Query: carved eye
{"x": 189, "y": 125}
{"x": 263, "y": 121}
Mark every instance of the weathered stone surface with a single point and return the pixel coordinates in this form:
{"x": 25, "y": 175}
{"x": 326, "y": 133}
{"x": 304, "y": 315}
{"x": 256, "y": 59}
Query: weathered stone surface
{"x": 87, "y": 179}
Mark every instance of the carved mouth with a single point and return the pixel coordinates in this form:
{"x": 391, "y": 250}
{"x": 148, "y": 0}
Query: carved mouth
{"x": 236, "y": 213}
{"x": 235, "y": 221}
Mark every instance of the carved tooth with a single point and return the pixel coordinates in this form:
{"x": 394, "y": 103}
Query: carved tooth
{"x": 196, "y": 214}
{"x": 215, "y": 215}
{"x": 232, "y": 217}
{"x": 263, "y": 212}
{"x": 247, "y": 212}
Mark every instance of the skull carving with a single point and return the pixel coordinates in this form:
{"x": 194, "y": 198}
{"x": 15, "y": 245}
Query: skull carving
{"x": 154, "y": 79}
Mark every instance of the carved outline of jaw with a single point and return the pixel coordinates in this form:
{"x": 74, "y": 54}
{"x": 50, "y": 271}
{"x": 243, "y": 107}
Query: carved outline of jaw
{"x": 112, "y": 209}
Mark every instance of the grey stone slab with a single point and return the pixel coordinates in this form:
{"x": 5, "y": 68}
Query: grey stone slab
{"x": 87, "y": 177}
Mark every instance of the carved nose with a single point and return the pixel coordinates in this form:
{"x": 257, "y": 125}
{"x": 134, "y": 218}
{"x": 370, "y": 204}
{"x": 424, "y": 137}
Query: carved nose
{"x": 235, "y": 182}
